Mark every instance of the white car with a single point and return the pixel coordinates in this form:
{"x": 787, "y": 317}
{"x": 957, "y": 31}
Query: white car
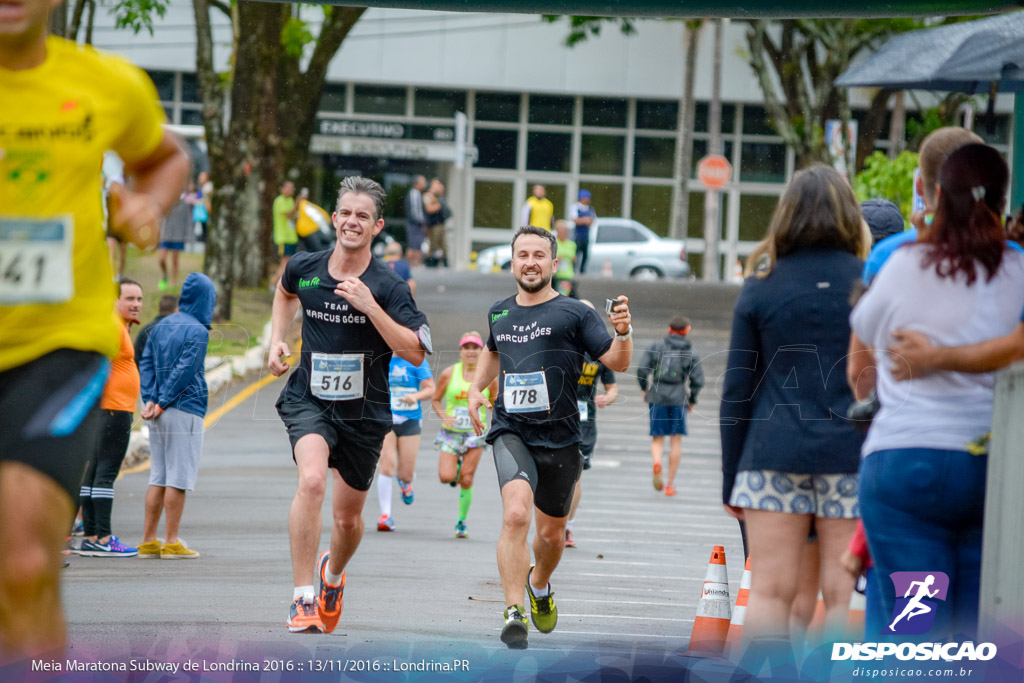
{"x": 630, "y": 248}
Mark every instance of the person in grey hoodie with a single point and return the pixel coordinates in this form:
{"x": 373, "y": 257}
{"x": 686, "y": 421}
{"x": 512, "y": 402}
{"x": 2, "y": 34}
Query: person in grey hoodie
{"x": 671, "y": 377}
{"x": 174, "y": 396}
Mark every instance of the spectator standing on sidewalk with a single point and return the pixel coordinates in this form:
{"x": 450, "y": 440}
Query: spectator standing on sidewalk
{"x": 582, "y": 215}
{"x": 437, "y": 217}
{"x": 117, "y": 407}
{"x": 415, "y": 221}
{"x": 174, "y": 395}
{"x": 788, "y": 456}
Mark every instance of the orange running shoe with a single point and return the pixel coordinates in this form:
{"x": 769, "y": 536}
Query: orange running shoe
{"x": 670, "y": 490}
{"x": 329, "y": 602}
{"x": 657, "y": 476}
{"x": 303, "y": 617}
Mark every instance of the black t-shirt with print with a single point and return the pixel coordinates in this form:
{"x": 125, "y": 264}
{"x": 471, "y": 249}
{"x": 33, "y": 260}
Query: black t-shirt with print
{"x": 541, "y": 349}
{"x": 330, "y": 325}
{"x": 586, "y": 388}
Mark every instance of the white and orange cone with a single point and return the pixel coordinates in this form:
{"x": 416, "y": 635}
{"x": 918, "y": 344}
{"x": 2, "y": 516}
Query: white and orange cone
{"x": 606, "y": 270}
{"x": 711, "y": 626}
{"x": 734, "y": 640}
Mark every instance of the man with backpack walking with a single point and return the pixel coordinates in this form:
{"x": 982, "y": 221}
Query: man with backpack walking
{"x": 670, "y": 376}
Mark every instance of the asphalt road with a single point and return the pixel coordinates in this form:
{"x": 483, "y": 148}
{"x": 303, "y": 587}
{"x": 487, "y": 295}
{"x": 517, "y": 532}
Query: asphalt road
{"x": 418, "y": 597}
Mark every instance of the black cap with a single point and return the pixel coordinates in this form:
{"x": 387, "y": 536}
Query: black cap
{"x": 883, "y": 218}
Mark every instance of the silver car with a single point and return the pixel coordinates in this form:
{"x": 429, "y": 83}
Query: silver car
{"x": 629, "y": 248}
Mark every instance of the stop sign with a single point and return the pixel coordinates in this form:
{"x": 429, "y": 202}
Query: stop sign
{"x": 714, "y": 171}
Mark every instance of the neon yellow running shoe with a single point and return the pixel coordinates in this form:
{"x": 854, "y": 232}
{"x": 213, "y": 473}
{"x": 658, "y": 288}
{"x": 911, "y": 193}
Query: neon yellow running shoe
{"x": 542, "y": 610}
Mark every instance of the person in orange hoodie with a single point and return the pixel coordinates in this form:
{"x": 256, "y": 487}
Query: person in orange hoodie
{"x": 117, "y": 408}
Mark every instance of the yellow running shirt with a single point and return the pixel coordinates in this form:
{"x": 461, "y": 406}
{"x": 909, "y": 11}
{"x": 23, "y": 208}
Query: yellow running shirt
{"x": 541, "y": 211}
{"x": 56, "y": 121}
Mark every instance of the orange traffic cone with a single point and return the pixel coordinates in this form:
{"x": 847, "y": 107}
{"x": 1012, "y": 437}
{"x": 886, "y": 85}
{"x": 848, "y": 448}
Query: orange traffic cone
{"x": 739, "y": 613}
{"x": 606, "y": 270}
{"x": 711, "y": 627}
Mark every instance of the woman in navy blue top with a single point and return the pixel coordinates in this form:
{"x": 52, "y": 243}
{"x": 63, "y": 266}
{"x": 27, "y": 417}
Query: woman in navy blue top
{"x": 789, "y": 457}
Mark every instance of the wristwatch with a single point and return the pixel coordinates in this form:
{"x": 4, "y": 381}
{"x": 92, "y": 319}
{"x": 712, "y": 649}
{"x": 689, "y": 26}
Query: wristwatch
{"x": 627, "y": 336}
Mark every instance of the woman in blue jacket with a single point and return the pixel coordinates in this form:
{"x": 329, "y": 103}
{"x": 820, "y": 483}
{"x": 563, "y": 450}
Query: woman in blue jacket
{"x": 789, "y": 457}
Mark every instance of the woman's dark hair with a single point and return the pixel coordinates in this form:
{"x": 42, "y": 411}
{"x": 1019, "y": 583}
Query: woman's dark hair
{"x": 818, "y": 209}
{"x": 967, "y": 231}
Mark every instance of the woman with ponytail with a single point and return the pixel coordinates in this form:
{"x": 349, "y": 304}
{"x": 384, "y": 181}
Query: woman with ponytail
{"x": 922, "y": 484}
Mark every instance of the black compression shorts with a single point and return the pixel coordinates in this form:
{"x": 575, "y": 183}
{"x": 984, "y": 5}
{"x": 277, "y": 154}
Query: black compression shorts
{"x": 551, "y": 473}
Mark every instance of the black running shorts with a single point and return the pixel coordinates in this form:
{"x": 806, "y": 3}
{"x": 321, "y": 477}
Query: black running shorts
{"x": 47, "y": 420}
{"x": 551, "y": 473}
{"x": 354, "y": 446}
{"x": 408, "y": 428}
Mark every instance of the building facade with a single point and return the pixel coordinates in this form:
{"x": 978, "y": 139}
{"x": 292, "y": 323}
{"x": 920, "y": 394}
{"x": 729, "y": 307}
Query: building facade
{"x": 601, "y": 116}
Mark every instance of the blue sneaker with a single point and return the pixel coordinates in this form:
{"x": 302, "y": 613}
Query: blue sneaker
{"x": 78, "y": 529}
{"x": 460, "y": 529}
{"x": 407, "y": 493}
{"x": 385, "y": 523}
{"x": 112, "y": 548}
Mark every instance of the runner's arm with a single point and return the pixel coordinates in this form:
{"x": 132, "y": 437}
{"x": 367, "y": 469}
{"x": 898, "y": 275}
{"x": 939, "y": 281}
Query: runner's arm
{"x": 486, "y": 373}
{"x": 286, "y": 305}
{"x": 440, "y": 387}
{"x": 618, "y": 355}
{"x": 611, "y": 392}
{"x": 157, "y": 181}
{"x": 426, "y": 391}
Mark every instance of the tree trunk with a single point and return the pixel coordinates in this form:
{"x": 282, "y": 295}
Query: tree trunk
{"x": 712, "y": 198}
{"x": 59, "y": 20}
{"x": 683, "y": 161}
{"x": 871, "y": 126}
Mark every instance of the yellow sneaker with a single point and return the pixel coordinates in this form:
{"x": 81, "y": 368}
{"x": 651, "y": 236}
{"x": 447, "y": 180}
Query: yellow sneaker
{"x": 177, "y": 551}
{"x": 150, "y": 550}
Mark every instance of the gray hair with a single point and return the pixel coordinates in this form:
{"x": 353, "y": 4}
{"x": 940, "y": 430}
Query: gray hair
{"x": 360, "y": 185}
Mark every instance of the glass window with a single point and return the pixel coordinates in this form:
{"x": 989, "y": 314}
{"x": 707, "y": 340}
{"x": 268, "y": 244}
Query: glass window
{"x": 755, "y": 214}
{"x": 756, "y": 121}
{"x": 497, "y": 106}
{"x": 606, "y": 198}
{"x": 548, "y": 151}
{"x": 497, "y": 148}
{"x": 492, "y": 204}
{"x": 616, "y": 232}
{"x": 700, "y": 150}
{"x": 190, "y": 88}
{"x": 604, "y": 112}
{"x": 1000, "y": 134}
{"x": 332, "y": 97}
{"x": 373, "y": 99}
{"x": 439, "y": 103}
{"x": 763, "y": 162}
{"x": 191, "y": 117}
{"x": 700, "y": 118}
{"x": 657, "y": 114}
{"x": 551, "y": 109}
{"x": 652, "y": 206}
{"x": 164, "y": 82}
{"x": 602, "y": 154}
{"x": 654, "y": 157}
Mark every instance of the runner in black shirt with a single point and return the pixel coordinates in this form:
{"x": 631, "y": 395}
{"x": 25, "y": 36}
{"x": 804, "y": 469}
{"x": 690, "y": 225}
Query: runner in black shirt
{"x": 536, "y": 344}
{"x": 336, "y": 404}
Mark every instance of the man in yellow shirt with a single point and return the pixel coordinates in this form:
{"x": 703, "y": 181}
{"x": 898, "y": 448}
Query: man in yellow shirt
{"x": 62, "y": 107}
{"x": 538, "y": 209}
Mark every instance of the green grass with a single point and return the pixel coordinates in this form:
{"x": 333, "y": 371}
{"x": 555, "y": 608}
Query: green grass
{"x": 250, "y": 308}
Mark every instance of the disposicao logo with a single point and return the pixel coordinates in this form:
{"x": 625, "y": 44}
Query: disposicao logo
{"x": 918, "y": 599}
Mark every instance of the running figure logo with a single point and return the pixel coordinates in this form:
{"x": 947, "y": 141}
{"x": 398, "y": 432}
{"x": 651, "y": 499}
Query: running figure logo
{"x": 920, "y": 591}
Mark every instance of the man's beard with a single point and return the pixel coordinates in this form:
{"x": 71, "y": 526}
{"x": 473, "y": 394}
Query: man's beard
{"x": 533, "y": 289}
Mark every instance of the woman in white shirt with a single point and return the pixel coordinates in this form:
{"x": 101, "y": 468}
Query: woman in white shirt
{"x": 921, "y": 491}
